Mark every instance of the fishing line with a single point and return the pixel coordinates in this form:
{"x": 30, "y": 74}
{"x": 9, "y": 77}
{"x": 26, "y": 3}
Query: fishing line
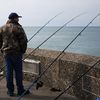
{"x": 53, "y": 34}
{"x": 45, "y": 25}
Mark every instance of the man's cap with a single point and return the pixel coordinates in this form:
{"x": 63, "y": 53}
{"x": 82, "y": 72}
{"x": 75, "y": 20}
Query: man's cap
{"x": 14, "y": 15}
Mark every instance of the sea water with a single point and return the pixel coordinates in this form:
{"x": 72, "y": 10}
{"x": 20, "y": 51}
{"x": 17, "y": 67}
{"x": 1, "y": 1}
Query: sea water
{"x": 87, "y": 43}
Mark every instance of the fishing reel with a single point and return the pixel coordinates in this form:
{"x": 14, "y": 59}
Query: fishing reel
{"x": 39, "y": 84}
{"x": 1, "y": 73}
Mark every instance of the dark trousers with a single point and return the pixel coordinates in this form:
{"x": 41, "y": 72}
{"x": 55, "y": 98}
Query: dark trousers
{"x": 14, "y": 63}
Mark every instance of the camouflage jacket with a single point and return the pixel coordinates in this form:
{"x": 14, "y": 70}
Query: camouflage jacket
{"x": 12, "y": 38}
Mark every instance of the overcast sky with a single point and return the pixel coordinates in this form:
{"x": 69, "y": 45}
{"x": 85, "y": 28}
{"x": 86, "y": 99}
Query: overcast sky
{"x": 38, "y": 12}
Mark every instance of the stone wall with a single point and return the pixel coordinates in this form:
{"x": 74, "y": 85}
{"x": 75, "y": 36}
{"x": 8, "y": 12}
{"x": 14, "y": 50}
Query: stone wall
{"x": 67, "y": 69}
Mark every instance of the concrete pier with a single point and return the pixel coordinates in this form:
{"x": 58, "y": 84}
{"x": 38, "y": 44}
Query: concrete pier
{"x": 67, "y": 69}
{"x": 41, "y": 94}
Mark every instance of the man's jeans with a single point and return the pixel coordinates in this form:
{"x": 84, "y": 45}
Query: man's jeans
{"x": 14, "y": 62}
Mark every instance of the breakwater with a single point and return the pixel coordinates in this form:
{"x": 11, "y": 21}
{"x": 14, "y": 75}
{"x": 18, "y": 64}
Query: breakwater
{"x": 67, "y": 69}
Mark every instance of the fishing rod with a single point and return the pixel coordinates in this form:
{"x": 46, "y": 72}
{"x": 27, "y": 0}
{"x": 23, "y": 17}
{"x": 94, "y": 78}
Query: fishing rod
{"x": 45, "y": 25}
{"x": 86, "y": 71}
{"x": 35, "y": 80}
{"x": 77, "y": 80}
{"x": 39, "y": 31}
{"x": 53, "y": 34}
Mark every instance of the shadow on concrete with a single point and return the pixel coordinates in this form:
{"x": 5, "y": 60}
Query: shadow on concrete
{"x": 38, "y": 97}
{"x": 5, "y": 98}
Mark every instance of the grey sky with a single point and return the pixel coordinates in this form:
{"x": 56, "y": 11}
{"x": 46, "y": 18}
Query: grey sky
{"x": 38, "y": 12}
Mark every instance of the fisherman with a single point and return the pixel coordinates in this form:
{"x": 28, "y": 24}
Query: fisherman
{"x": 13, "y": 44}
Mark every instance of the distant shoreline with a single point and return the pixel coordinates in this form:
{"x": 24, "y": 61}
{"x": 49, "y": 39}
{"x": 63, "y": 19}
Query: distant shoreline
{"x": 60, "y": 26}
